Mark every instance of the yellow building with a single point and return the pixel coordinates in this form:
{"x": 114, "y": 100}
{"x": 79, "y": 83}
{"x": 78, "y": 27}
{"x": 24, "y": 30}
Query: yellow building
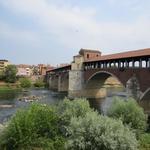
{"x": 3, "y": 64}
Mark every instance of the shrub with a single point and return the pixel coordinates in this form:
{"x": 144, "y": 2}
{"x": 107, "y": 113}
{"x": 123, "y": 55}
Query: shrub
{"x": 76, "y": 108}
{"x": 25, "y": 83}
{"x": 97, "y": 132}
{"x": 39, "y": 83}
{"x": 36, "y": 126}
{"x": 144, "y": 141}
{"x": 130, "y": 113}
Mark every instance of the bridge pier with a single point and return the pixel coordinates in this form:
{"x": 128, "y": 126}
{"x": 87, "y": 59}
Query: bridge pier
{"x": 76, "y": 78}
{"x": 63, "y": 83}
{"x": 77, "y": 85}
{"x": 53, "y": 82}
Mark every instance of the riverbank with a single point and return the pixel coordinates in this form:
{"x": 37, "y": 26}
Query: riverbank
{"x": 9, "y": 88}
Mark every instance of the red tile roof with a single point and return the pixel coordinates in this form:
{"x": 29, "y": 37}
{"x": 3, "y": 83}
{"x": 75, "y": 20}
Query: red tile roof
{"x": 128, "y": 54}
{"x": 66, "y": 66}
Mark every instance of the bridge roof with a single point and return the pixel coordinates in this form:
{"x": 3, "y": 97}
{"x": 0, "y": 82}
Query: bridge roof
{"x": 128, "y": 54}
{"x": 59, "y": 68}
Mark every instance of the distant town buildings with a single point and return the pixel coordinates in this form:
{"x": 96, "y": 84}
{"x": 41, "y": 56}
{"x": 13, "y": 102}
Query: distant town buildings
{"x": 33, "y": 70}
{"x": 3, "y": 63}
{"x": 24, "y": 70}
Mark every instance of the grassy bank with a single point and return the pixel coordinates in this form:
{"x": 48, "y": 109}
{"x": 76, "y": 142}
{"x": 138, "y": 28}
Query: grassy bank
{"x": 9, "y": 90}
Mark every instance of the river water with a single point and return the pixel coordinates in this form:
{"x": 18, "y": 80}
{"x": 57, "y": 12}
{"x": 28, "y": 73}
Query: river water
{"x": 9, "y": 102}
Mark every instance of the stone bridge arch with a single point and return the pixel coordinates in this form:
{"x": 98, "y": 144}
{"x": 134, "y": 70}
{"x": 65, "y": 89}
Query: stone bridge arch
{"x": 96, "y": 85}
{"x": 145, "y": 95}
{"x": 138, "y": 75}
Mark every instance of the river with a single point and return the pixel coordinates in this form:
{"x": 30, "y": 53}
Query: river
{"x": 9, "y": 102}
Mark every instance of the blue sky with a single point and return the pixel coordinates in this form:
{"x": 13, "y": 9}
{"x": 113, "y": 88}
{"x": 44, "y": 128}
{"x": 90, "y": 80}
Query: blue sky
{"x": 52, "y": 31}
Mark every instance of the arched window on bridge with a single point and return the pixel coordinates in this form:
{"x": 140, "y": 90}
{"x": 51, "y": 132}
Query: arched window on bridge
{"x": 108, "y": 64}
{"x": 130, "y": 64}
{"x": 143, "y": 64}
{"x": 102, "y": 65}
{"x": 116, "y": 64}
{"x": 121, "y": 64}
{"x": 137, "y": 64}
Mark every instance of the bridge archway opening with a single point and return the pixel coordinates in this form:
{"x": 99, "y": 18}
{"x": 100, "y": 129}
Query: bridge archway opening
{"x": 130, "y": 64}
{"x": 144, "y": 101}
{"x": 143, "y": 64}
{"x": 136, "y": 63}
{"x": 102, "y": 83}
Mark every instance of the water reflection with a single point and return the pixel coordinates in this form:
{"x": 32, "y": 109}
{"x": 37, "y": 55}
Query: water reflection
{"x": 103, "y": 104}
{"x": 49, "y": 97}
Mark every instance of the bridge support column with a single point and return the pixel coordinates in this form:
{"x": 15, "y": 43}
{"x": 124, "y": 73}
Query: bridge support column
{"x": 53, "y": 83}
{"x": 76, "y": 82}
{"x": 63, "y": 83}
{"x": 133, "y": 87}
{"x": 149, "y": 62}
{"x": 76, "y": 77}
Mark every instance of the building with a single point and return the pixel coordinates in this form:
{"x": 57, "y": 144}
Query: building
{"x": 89, "y": 54}
{"x": 43, "y": 68}
{"x": 24, "y": 70}
{"x": 3, "y": 63}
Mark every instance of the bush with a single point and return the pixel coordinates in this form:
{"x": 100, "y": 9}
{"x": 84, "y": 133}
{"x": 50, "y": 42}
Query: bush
{"x": 76, "y": 108}
{"x": 97, "y": 132}
{"x": 25, "y": 82}
{"x": 36, "y": 126}
{"x": 39, "y": 83}
{"x": 130, "y": 113}
{"x": 144, "y": 141}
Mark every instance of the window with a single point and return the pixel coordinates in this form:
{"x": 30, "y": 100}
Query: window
{"x": 87, "y": 55}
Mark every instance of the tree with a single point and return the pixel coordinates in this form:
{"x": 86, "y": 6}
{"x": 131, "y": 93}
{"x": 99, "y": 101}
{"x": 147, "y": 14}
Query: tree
{"x": 39, "y": 83}
{"x": 25, "y": 82}
{"x": 10, "y": 73}
{"x": 68, "y": 109}
{"x": 33, "y": 128}
{"x": 129, "y": 112}
{"x": 97, "y": 132}
{"x": 2, "y": 76}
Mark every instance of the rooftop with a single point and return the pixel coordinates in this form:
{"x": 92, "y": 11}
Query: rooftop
{"x": 82, "y": 51}
{"x": 128, "y": 54}
{"x": 4, "y": 60}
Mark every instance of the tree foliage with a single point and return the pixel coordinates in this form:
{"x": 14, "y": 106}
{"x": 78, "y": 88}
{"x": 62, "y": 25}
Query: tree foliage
{"x": 68, "y": 125}
{"x": 10, "y": 73}
{"x": 39, "y": 83}
{"x": 25, "y": 82}
{"x": 130, "y": 113}
{"x": 35, "y": 127}
{"x": 76, "y": 108}
{"x": 2, "y": 75}
{"x": 98, "y": 132}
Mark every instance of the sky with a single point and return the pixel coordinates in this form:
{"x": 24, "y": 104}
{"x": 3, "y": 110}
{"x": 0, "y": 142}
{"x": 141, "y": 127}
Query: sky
{"x": 53, "y": 31}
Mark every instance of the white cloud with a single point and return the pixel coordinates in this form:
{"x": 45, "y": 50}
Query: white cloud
{"x": 77, "y": 27}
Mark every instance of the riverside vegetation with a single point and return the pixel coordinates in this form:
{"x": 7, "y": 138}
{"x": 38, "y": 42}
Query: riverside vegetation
{"x": 9, "y": 81}
{"x": 73, "y": 125}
